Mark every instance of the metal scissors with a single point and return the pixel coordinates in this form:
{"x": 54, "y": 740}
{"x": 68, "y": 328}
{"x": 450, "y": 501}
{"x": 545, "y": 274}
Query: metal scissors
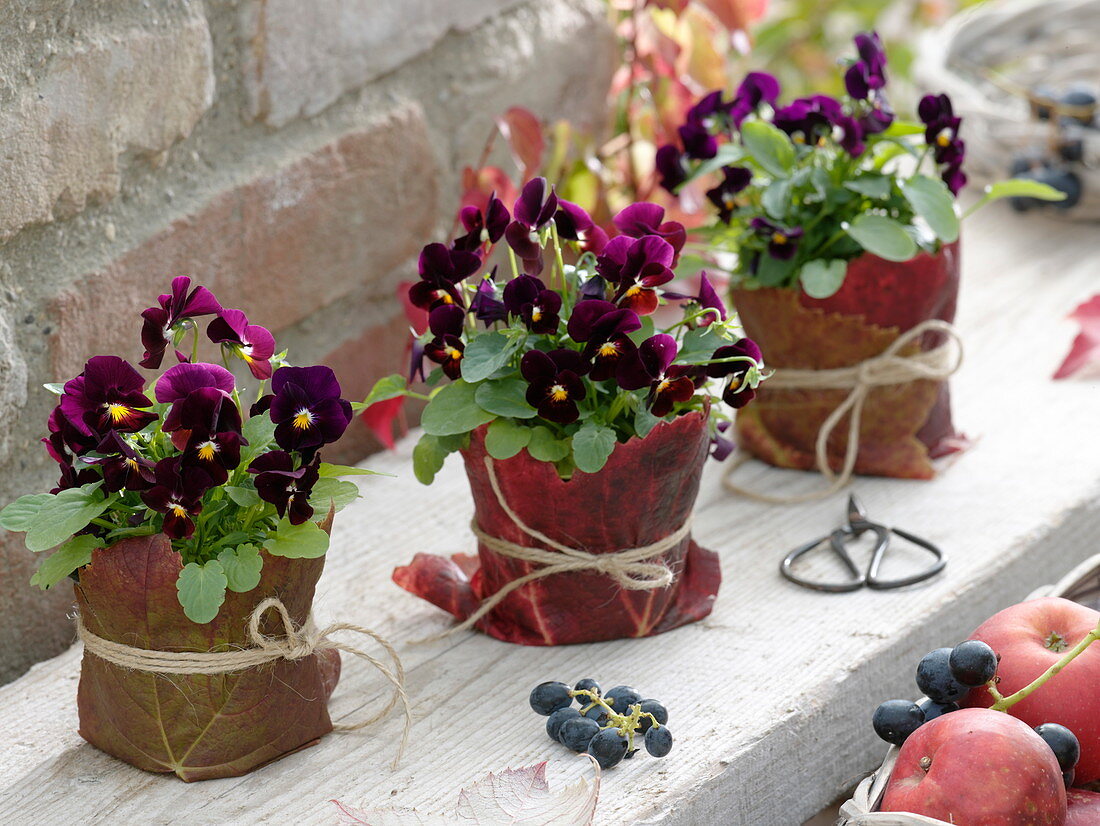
{"x": 857, "y": 524}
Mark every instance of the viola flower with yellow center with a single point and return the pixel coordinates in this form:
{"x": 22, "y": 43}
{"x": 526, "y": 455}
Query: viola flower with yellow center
{"x": 575, "y": 224}
{"x": 482, "y": 228}
{"x": 651, "y": 366}
{"x": 724, "y": 196}
{"x": 441, "y": 271}
{"x": 941, "y": 132}
{"x": 307, "y": 409}
{"x": 636, "y": 266}
{"x": 782, "y": 241}
{"x": 178, "y": 495}
{"x": 533, "y": 211}
{"x": 156, "y": 331}
{"x": 446, "y": 349}
{"x": 288, "y": 489}
{"x": 122, "y": 467}
{"x": 737, "y": 393}
{"x": 249, "y": 342}
{"x": 555, "y": 384}
{"x": 602, "y": 328}
{"x": 107, "y": 396}
{"x": 643, "y": 218}
{"x": 527, "y": 298}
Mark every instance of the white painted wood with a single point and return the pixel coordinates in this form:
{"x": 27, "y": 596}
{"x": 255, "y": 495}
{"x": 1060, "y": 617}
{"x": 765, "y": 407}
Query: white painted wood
{"x": 770, "y": 698}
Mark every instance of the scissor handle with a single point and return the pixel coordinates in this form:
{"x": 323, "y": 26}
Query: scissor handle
{"x": 872, "y": 579}
{"x": 836, "y": 541}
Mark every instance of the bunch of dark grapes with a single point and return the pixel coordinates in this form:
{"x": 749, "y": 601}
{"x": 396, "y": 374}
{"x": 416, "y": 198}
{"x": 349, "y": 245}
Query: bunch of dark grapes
{"x": 945, "y": 676}
{"x": 605, "y": 724}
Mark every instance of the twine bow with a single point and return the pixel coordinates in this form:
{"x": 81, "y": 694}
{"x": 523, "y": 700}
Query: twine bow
{"x": 294, "y": 644}
{"x": 887, "y": 368}
{"x": 632, "y": 568}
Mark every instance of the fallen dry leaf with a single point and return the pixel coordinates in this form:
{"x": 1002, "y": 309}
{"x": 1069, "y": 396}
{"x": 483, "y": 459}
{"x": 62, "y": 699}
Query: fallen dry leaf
{"x": 1086, "y": 347}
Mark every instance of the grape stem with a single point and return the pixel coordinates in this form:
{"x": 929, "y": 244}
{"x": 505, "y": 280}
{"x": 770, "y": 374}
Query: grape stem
{"x": 1005, "y": 703}
{"x": 627, "y": 724}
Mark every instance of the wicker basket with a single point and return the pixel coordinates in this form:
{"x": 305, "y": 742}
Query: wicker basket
{"x": 989, "y": 60}
{"x": 1082, "y": 584}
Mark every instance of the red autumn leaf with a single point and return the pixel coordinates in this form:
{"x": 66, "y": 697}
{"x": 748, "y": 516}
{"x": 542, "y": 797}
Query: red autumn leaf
{"x": 380, "y": 416}
{"x": 736, "y": 15}
{"x": 479, "y": 184}
{"x": 1086, "y": 346}
{"x": 677, "y": 6}
{"x": 523, "y": 132}
{"x": 417, "y": 316}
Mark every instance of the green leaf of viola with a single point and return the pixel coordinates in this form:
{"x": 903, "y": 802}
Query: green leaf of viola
{"x": 428, "y": 457}
{"x": 901, "y": 128}
{"x": 647, "y": 330}
{"x": 769, "y": 147}
{"x": 821, "y": 278}
{"x": 505, "y": 397}
{"x": 330, "y": 492}
{"x": 882, "y": 236}
{"x": 504, "y": 438}
{"x": 454, "y": 410}
{"x": 872, "y": 186}
{"x": 728, "y": 153}
{"x": 773, "y": 272}
{"x": 201, "y": 590}
{"x": 74, "y": 554}
{"x": 644, "y": 422}
{"x": 305, "y": 541}
{"x": 592, "y": 445}
{"x": 386, "y": 388}
{"x": 325, "y": 469}
{"x": 242, "y": 566}
{"x": 544, "y": 446}
{"x": 57, "y": 388}
{"x": 486, "y": 354}
{"x": 932, "y": 201}
{"x": 777, "y": 198}
{"x": 1022, "y": 188}
{"x": 243, "y": 496}
{"x": 698, "y": 345}
{"x": 20, "y": 514}
{"x": 260, "y": 433}
{"x": 69, "y": 511}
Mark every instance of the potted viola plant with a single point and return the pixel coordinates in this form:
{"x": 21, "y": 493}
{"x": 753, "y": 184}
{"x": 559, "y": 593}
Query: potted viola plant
{"x": 844, "y": 225}
{"x": 180, "y": 508}
{"x": 584, "y": 398}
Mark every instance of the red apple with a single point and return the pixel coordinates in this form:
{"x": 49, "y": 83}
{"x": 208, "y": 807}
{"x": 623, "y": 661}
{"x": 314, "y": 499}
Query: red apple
{"x": 1030, "y": 638}
{"x": 1083, "y": 808}
{"x": 980, "y": 768}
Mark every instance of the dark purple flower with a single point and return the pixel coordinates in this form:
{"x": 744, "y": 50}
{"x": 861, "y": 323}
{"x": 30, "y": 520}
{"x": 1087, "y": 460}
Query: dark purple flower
{"x": 699, "y": 144}
{"x": 869, "y": 72}
{"x": 851, "y": 136}
{"x": 642, "y": 219}
{"x": 710, "y": 112}
{"x": 108, "y": 395}
{"x": 416, "y": 364}
{"x": 878, "y": 117}
{"x": 533, "y": 211}
{"x": 636, "y": 266}
{"x": 670, "y": 167}
{"x": 122, "y": 467}
{"x": 941, "y": 132}
{"x": 73, "y": 478}
{"x": 482, "y": 228}
{"x": 602, "y": 328}
{"x": 249, "y": 342}
{"x": 178, "y": 382}
{"x": 206, "y": 408}
{"x": 284, "y": 487}
{"x": 724, "y": 196}
{"x": 555, "y": 383}
{"x": 485, "y": 305}
{"x": 720, "y": 446}
{"x": 528, "y": 298}
{"x": 178, "y": 495}
{"x": 651, "y": 366}
{"x": 594, "y": 287}
{"x": 65, "y": 437}
{"x": 782, "y": 241}
{"x": 575, "y": 224}
{"x": 756, "y": 88}
{"x": 441, "y": 269}
{"x": 736, "y": 394}
{"x": 447, "y": 348}
{"x": 307, "y": 409}
{"x": 954, "y": 177}
{"x": 809, "y": 120}
{"x": 156, "y": 331}
{"x": 709, "y": 299}
{"x": 217, "y": 452}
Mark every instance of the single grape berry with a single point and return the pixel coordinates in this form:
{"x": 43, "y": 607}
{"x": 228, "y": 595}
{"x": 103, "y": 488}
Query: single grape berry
{"x": 597, "y": 713}
{"x": 972, "y": 663}
{"x": 895, "y": 720}
{"x": 576, "y": 732}
{"x": 934, "y": 677}
{"x": 608, "y": 747}
{"x": 658, "y": 741}
{"x": 1067, "y": 778}
{"x": 587, "y": 684}
{"x": 657, "y": 710}
{"x": 555, "y": 720}
{"x": 546, "y": 698}
{"x": 621, "y": 698}
{"x": 1062, "y": 742}
{"x": 933, "y": 710}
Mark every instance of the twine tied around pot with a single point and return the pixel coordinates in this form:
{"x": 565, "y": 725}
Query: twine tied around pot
{"x": 632, "y": 568}
{"x": 860, "y": 379}
{"x": 295, "y": 644}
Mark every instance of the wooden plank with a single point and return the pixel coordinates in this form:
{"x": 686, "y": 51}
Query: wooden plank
{"x": 770, "y": 697}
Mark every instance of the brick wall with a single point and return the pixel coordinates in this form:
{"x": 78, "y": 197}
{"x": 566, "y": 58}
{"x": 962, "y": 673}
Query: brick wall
{"x": 292, "y": 156}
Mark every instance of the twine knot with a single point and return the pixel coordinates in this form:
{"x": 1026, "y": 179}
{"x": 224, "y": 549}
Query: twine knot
{"x": 887, "y": 368}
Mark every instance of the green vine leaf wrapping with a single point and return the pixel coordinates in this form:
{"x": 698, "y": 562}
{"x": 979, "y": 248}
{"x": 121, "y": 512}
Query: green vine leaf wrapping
{"x": 71, "y": 556}
{"x": 821, "y": 278}
{"x": 70, "y": 511}
{"x": 504, "y": 439}
{"x": 454, "y": 410}
{"x": 305, "y": 541}
{"x": 331, "y": 492}
{"x": 201, "y": 590}
{"x": 932, "y": 200}
{"x": 592, "y": 446}
{"x": 242, "y": 566}
{"x": 882, "y": 236}
{"x": 769, "y": 146}
{"x": 505, "y": 397}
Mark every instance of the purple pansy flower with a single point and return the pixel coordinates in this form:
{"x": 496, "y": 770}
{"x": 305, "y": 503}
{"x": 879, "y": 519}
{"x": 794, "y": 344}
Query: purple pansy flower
{"x": 756, "y": 88}
{"x": 636, "y": 266}
{"x": 249, "y": 342}
{"x": 699, "y": 144}
{"x": 284, "y": 487}
{"x": 441, "y": 269}
{"x": 721, "y": 446}
{"x": 710, "y": 300}
{"x": 306, "y": 408}
{"x": 710, "y": 112}
{"x": 602, "y": 328}
{"x": 197, "y": 393}
{"x": 122, "y": 467}
{"x": 782, "y": 241}
{"x": 108, "y": 395}
{"x": 178, "y": 495}
{"x": 651, "y": 366}
{"x": 575, "y": 224}
{"x": 447, "y": 348}
{"x": 527, "y": 297}
{"x": 174, "y": 307}
{"x": 533, "y": 211}
{"x": 178, "y": 382}
{"x": 736, "y": 394}
{"x": 724, "y": 196}
{"x": 851, "y": 135}
{"x": 670, "y": 167}
{"x": 869, "y": 72}
{"x": 555, "y": 383}
{"x": 941, "y": 132}
{"x": 808, "y": 120}
{"x": 482, "y": 228}
{"x": 65, "y": 437}
{"x": 642, "y": 219}
{"x": 485, "y": 305}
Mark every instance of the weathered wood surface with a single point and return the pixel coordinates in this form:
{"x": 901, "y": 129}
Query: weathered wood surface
{"x": 770, "y": 698}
